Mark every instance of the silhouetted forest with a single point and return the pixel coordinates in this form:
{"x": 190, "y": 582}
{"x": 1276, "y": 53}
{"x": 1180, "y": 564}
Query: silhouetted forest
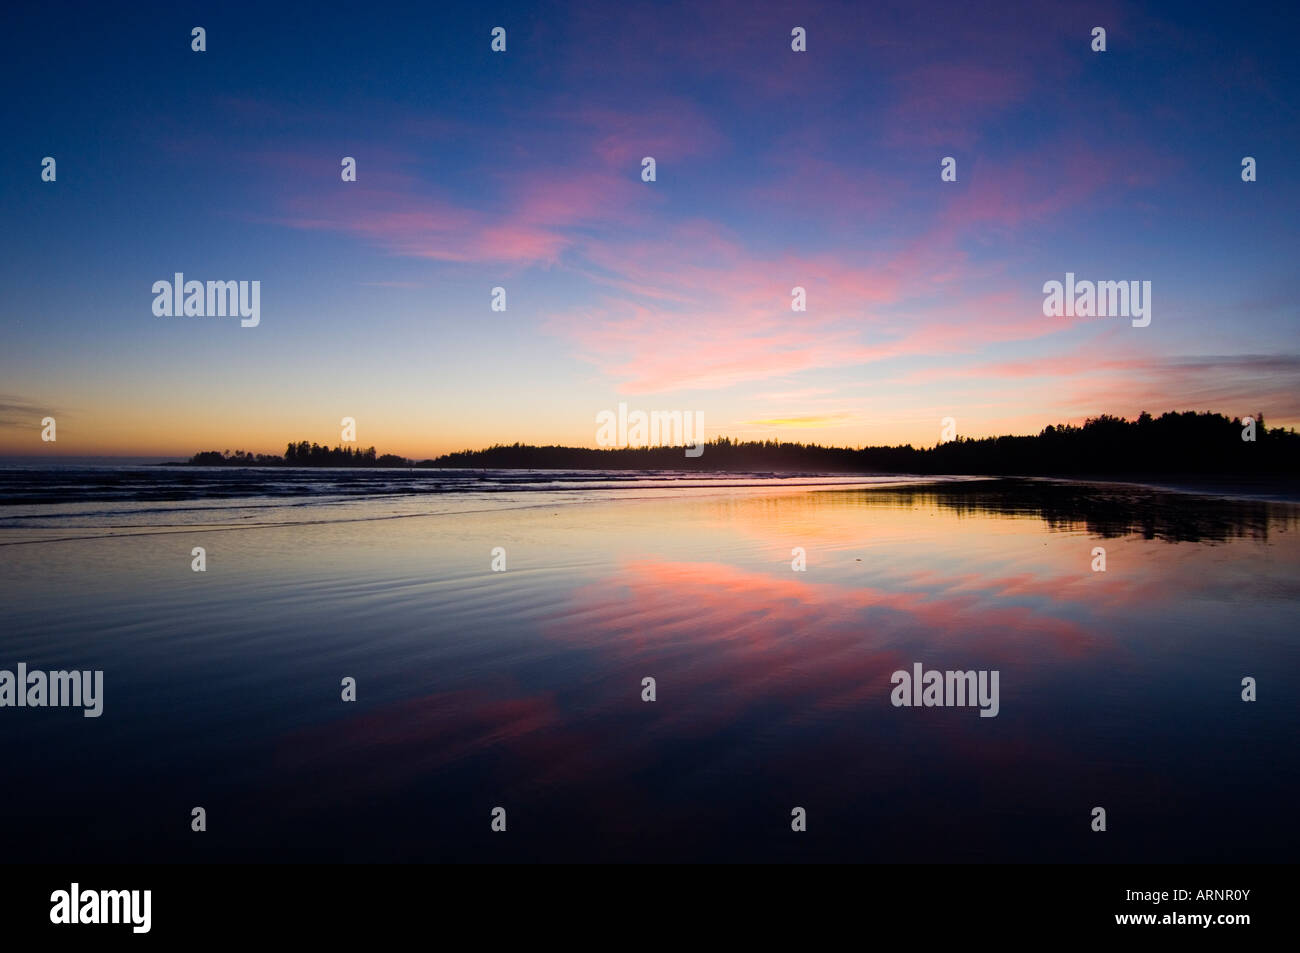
{"x": 302, "y": 454}
{"x": 1174, "y": 443}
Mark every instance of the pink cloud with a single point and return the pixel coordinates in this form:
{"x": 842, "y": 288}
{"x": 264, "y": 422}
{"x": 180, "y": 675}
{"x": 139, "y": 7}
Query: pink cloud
{"x": 687, "y": 304}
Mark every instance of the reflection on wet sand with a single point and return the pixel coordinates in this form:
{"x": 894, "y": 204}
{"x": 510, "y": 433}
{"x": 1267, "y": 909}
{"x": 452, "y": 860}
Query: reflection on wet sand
{"x": 774, "y": 680}
{"x": 522, "y": 689}
{"x": 1106, "y": 510}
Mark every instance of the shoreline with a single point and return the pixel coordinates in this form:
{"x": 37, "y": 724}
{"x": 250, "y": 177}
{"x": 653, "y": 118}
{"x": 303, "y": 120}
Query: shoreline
{"x": 1278, "y": 488}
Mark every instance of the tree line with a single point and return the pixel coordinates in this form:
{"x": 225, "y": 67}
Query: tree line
{"x": 1174, "y": 443}
{"x": 301, "y": 454}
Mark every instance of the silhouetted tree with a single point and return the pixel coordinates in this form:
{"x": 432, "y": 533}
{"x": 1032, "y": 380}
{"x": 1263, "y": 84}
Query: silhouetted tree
{"x": 1173, "y": 443}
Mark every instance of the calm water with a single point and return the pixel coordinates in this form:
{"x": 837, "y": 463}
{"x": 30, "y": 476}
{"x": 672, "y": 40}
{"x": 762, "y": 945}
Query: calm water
{"x": 523, "y": 688}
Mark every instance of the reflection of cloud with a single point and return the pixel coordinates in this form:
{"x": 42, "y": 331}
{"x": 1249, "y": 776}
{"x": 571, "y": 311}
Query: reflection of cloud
{"x": 734, "y": 652}
{"x": 944, "y": 610}
{"x": 742, "y": 638}
{"x": 722, "y": 642}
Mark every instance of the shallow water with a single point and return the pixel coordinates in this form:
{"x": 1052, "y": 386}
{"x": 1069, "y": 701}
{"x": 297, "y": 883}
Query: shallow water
{"x": 522, "y": 688}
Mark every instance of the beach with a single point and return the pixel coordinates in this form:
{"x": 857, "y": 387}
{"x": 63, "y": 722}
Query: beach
{"x": 522, "y": 686}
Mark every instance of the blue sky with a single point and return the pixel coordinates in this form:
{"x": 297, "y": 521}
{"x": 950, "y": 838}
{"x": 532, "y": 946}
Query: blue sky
{"x": 522, "y": 170}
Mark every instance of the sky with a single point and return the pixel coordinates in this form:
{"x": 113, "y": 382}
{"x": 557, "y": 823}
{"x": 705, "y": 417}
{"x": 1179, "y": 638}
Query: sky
{"x": 522, "y": 170}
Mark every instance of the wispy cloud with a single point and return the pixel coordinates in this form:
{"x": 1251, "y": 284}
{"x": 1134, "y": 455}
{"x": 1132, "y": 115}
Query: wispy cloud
{"x": 16, "y": 411}
{"x": 806, "y": 421}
